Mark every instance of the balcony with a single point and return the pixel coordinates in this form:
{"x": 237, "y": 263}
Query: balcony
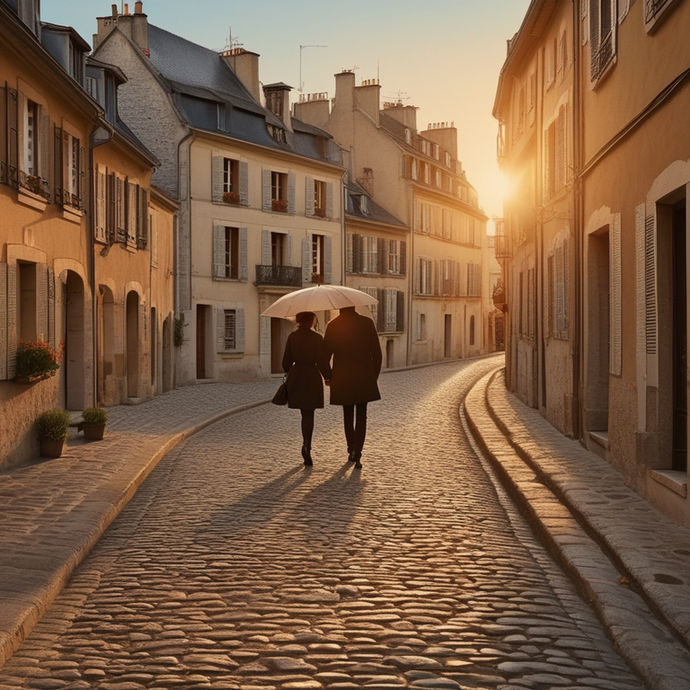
{"x": 285, "y": 276}
{"x": 35, "y": 184}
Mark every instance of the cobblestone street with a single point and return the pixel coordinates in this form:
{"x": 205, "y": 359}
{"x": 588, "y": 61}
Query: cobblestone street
{"x": 234, "y": 567}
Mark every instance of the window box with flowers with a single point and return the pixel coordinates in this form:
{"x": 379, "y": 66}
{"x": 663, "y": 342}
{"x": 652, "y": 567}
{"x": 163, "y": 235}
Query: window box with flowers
{"x": 231, "y": 198}
{"x": 279, "y": 205}
{"x": 36, "y": 361}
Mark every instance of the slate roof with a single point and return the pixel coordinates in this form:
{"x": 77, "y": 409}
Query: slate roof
{"x": 199, "y": 79}
{"x": 375, "y": 214}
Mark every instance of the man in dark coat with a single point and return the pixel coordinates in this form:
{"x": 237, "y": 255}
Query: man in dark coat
{"x": 352, "y": 341}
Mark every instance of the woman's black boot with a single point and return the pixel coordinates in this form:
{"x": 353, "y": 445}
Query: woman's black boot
{"x": 306, "y": 454}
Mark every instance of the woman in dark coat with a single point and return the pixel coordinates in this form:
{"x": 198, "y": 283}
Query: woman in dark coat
{"x": 305, "y": 363}
{"x": 352, "y": 341}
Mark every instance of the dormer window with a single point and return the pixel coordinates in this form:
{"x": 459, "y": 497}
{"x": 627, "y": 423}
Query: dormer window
{"x": 277, "y": 133}
{"x": 76, "y": 63}
{"x": 29, "y": 13}
{"x": 408, "y": 136}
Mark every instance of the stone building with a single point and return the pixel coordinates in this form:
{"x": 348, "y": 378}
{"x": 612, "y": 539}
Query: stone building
{"x": 619, "y": 284}
{"x": 260, "y": 193}
{"x": 415, "y": 176}
{"x": 64, "y": 270}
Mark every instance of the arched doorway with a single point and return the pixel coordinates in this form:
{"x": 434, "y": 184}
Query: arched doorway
{"x": 107, "y": 387}
{"x": 167, "y": 378}
{"x": 132, "y": 339}
{"x": 155, "y": 388}
{"x": 74, "y": 354}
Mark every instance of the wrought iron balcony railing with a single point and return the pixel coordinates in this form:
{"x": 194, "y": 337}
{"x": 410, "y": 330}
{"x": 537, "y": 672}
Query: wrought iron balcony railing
{"x": 287, "y": 276}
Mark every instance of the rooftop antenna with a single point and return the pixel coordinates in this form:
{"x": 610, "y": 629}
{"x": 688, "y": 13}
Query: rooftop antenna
{"x": 301, "y": 48}
{"x": 399, "y": 98}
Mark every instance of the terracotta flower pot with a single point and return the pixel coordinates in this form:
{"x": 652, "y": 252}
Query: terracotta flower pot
{"x": 51, "y": 449}
{"x": 93, "y": 431}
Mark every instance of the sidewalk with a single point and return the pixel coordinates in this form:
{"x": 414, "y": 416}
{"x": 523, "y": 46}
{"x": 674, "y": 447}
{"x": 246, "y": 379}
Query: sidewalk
{"x": 61, "y": 507}
{"x": 629, "y": 561}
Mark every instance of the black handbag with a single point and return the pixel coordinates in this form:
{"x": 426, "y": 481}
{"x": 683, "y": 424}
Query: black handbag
{"x": 281, "y": 396}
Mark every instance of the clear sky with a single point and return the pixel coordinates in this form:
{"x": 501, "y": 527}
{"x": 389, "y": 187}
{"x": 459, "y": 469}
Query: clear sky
{"x": 441, "y": 56}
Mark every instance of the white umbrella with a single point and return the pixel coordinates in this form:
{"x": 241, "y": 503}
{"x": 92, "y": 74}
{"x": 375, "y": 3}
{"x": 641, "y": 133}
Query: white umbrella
{"x": 318, "y": 298}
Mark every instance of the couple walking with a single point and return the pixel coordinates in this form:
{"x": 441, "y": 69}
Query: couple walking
{"x": 353, "y": 344}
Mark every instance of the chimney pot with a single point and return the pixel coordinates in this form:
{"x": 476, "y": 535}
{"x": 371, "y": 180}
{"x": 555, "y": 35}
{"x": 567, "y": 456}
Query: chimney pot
{"x": 138, "y": 7}
{"x": 126, "y": 9}
{"x": 113, "y": 9}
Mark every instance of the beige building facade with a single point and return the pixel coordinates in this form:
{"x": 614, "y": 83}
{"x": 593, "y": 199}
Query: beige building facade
{"x": 260, "y": 193}
{"x": 416, "y": 177}
{"x": 620, "y": 317}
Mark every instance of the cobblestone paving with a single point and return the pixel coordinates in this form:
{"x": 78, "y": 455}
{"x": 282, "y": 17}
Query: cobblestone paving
{"x": 235, "y": 568}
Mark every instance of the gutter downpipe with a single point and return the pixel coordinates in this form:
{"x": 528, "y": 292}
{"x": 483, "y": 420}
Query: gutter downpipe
{"x": 103, "y": 125}
{"x": 578, "y": 213}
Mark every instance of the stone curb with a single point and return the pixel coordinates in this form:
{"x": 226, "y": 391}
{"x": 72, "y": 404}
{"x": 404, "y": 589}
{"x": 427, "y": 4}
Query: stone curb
{"x": 652, "y": 647}
{"x": 27, "y": 607}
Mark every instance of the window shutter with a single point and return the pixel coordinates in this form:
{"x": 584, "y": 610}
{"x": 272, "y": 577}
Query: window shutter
{"x": 266, "y": 247}
{"x": 391, "y": 299}
{"x": 132, "y": 207}
{"x": 615, "y": 350}
{"x": 21, "y": 131}
{"x": 121, "y": 208}
{"x": 42, "y": 302}
{"x": 559, "y": 297}
{"x": 99, "y": 189}
{"x": 217, "y": 180}
{"x": 594, "y": 31}
{"x": 547, "y": 171}
{"x": 288, "y": 261}
{"x": 220, "y": 329}
{"x": 417, "y": 326}
{"x": 244, "y": 183}
{"x": 52, "y": 323}
{"x": 81, "y": 192}
{"x": 3, "y": 135}
{"x": 561, "y": 148}
{"x": 13, "y": 136}
{"x": 44, "y": 148}
{"x": 328, "y": 260}
{"x": 640, "y": 251}
{"x": 3, "y": 321}
{"x": 350, "y": 252}
{"x": 329, "y": 200}
{"x": 417, "y": 277}
{"x": 58, "y": 165}
{"x": 243, "y": 255}
{"x": 403, "y": 258}
{"x": 306, "y": 259}
{"x": 380, "y": 309}
{"x": 291, "y": 193}
{"x": 309, "y": 205}
{"x": 400, "y": 312}
{"x": 266, "y": 193}
{"x": 382, "y": 256}
{"x": 650, "y": 285}
{"x": 239, "y": 329}
{"x": 218, "y": 251}
{"x": 143, "y": 225}
{"x": 12, "y": 335}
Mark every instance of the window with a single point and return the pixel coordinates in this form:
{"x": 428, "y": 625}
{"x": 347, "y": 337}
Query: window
{"x": 373, "y": 308}
{"x": 425, "y": 277}
{"x": 73, "y": 165}
{"x": 76, "y": 63}
{"x": 390, "y": 302}
{"x": 414, "y": 173}
{"x": 231, "y": 182}
{"x": 438, "y": 178}
{"x": 394, "y": 259}
{"x": 602, "y": 36}
{"x": 556, "y": 154}
{"x": 370, "y": 257}
{"x": 421, "y": 327}
{"x": 562, "y": 56}
{"x": 437, "y": 152}
{"x": 278, "y": 251}
{"x": 448, "y": 160}
{"x": 320, "y": 198}
{"x": 471, "y": 330}
{"x": 317, "y": 258}
{"x": 230, "y": 339}
{"x": 31, "y": 115}
{"x": 279, "y": 192}
{"x": 26, "y": 302}
{"x": 653, "y": 11}
{"x": 521, "y": 112}
{"x": 32, "y": 155}
{"x": 474, "y": 280}
{"x": 226, "y": 252}
{"x": 560, "y": 297}
{"x": 408, "y": 136}
{"x": 426, "y": 169}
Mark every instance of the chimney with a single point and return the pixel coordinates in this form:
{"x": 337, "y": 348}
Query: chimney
{"x": 405, "y": 114}
{"x": 313, "y": 109}
{"x": 445, "y": 135}
{"x": 278, "y": 101}
{"x": 134, "y": 26}
{"x": 246, "y": 66}
{"x": 344, "y": 91}
{"x": 368, "y": 98}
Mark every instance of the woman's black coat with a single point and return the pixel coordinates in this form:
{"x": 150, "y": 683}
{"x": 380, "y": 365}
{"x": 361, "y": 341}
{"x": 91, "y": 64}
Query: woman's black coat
{"x": 352, "y": 341}
{"x": 303, "y": 359}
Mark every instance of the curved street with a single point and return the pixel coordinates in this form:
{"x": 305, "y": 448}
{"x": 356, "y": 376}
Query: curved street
{"x": 235, "y": 567}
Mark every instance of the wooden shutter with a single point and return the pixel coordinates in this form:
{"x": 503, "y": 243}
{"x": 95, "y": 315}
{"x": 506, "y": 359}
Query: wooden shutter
{"x": 239, "y": 329}
{"x": 244, "y": 183}
{"x": 650, "y": 285}
{"x": 615, "y": 350}
{"x": 328, "y": 260}
{"x": 306, "y": 259}
{"x": 291, "y": 193}
{"x": 382, "y": 251}
{"x": 44, "y": 146}
{"x": 400, "y": 312}
{"x": 288, "y": 261}
{"x": 121, "y": 208}
{"x": 52, "y": 323}
{"x": 100, "y": 183}
{"x": 59, "y": 170}
{"x": 641, "y": 254}
{"x": 561, "y": 138}
{"x": 266, "y": 247}
{"x": 3, "y": 321}
{"x": 143, "y": 224}
{"x": 356, "y": 253}
{"x": 21, "y": 132}
{"x": 243, "y": 255}
{"x": 380, "y": 309}
{"x": 391, "y": 301}
{"x": 329, "y": 200}
{"x": 81, "y": 193}
{"x": 266, "y": 191}
{"x": 349, "y": 249}
{"x": 403, "y": 258}
{"x": 132, "y": 208}
{"x": 42, "y": 302}
{"x": 3, "y": 134}
{"x": 220, "y": 329}
{"x": 217, "y": 187}
{"x": 594, "y": 31}
{"x": 218, "y": 251}
{"x": 309, "y": 192}
{"x": 13, "y": 136}
{"x": 12, "y": 334}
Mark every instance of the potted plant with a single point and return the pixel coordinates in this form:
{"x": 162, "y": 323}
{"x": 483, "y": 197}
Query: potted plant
{"x": 92, "y": 423}
{"x": 51, "y": 429}
{"x": 279, "y": 205}
{"x": 36, "y": 360}
{"x": 231, "y": 197}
